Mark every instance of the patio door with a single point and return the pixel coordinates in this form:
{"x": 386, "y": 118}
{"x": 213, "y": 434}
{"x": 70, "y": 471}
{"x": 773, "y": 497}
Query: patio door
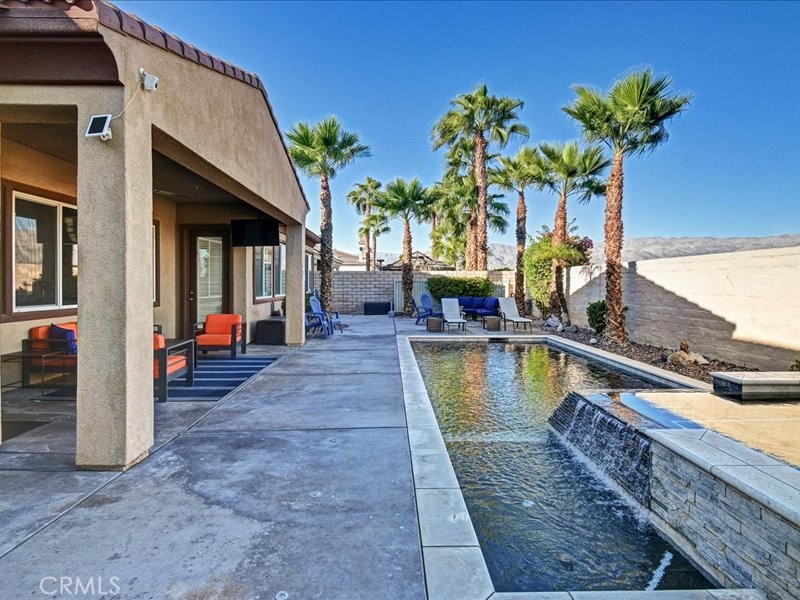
{"x": 206, "y": 275}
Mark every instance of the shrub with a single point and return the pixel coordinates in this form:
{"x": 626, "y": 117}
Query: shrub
{"x": 596, "y": 312}
{"x": 796, "y": 365}
{"x": 308, "y": 304}
{"x": 453, "y": 287}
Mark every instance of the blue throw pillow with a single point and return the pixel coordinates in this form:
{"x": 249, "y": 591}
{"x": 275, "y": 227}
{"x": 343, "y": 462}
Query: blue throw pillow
{"x": 70, "y": 341}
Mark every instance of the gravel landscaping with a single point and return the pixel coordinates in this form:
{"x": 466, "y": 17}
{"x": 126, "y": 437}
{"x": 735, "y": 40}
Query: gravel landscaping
{"x": 647, "y": 354}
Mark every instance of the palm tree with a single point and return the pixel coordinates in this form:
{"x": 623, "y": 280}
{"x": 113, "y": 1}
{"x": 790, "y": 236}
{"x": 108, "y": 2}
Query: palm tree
{"x": 570, "y": 172}
{"x": 362, "y": 197}
{"x": 320, "y": 151}
{"x": 482, "y": 119}
{"x": 631, "y": 120}
{"x": 375, "y": 225}
{"x": 407, "y": 200}
{"x": 516, "y": 175}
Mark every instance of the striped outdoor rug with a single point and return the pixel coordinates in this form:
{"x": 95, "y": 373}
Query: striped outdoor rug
{"x": 214, "y": 377}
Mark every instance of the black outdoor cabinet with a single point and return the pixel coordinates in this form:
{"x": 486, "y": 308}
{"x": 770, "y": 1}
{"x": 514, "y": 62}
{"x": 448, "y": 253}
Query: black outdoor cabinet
{"x": 376, "y": 308}
{"x": 271, "y": 331}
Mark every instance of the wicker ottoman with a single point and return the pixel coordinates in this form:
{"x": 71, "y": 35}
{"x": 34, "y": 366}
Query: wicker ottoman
{"x": 491, "y": 323}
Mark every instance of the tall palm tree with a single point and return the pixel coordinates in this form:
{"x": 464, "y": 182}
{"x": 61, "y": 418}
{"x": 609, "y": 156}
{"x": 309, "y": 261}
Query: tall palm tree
{"x": 320, "y": 151}
{"x": 631, "y": 120}
{"x": 362, "y": 197}
{"x": 456, "y": 200}
{"x": 407, "y": 200}
{"x": 375, "y": 225}
{"x": 570, "y": 172}
{"x": 516, "y": 174}
{"x": 483, "y": 119}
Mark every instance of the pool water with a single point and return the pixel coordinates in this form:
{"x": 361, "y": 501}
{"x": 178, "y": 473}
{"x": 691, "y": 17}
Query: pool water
{"x": 544, "y": 519}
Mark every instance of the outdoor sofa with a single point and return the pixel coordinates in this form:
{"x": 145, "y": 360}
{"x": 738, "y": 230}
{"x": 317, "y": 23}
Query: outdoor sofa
{"x": 478, "y": 307}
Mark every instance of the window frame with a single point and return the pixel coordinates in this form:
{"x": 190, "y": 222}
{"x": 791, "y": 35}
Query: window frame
{"x": 156, "y": 263}
{"x": 10, "y": 230}
{"x": 277, "y": 294}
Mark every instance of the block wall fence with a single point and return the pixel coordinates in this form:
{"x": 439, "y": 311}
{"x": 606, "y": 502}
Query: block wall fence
{"x": 352, "y": 288}
{"x": 743, "y": 307}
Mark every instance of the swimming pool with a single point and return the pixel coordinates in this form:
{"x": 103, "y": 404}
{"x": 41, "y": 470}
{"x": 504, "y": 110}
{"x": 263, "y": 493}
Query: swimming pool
{"x": 544, "y": 519}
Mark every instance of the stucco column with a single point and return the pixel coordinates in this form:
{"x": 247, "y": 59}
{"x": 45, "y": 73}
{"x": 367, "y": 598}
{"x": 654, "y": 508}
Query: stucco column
{"x": 115, "y": 303}
{"x": 295, "y": 291}
{"x": 239, "y": 280}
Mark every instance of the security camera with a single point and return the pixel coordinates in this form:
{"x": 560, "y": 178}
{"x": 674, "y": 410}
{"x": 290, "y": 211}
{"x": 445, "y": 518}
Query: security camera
{"x": 149, "y": 81}
{"x": 99, "y": 126}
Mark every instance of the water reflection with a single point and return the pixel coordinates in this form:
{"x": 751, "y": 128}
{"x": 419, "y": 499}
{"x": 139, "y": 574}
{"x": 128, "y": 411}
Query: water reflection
{"x": 544, "y": 521}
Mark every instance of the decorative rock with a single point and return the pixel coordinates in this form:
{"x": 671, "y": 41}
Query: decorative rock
{"x": 571, "y": 329}
{"x": 560, "y": 328}
{"x": 680, "y": 357}
{"x": 593, "y": 341}
{"x": 698, "y": 358}
{"x": 553, "y": 322}
{"x": 665, "y": 355}
{"x": 685, "y": 346}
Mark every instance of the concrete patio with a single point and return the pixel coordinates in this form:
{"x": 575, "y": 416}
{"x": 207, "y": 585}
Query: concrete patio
{"x": 294, "y": 483}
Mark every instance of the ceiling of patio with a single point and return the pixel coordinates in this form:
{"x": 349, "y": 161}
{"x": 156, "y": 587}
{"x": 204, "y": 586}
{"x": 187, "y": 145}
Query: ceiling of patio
{"x": 170, "y": 179}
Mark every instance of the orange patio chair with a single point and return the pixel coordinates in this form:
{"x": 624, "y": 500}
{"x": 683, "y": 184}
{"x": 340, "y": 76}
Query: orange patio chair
{"x": 221, "y": 332}
{"x": 171, "y": 363}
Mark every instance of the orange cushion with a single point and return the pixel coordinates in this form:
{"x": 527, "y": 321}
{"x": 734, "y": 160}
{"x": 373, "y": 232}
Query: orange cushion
{"x": 175, "y": 362}
{"x": 222, "y": 323}
{"x": 158, "y": 341}
{"x": 42, "y": 332}
{"x": 214, "y": 339}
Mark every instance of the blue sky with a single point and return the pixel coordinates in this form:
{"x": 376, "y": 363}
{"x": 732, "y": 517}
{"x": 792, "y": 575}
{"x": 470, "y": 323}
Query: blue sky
{"x": 388, "y": 70}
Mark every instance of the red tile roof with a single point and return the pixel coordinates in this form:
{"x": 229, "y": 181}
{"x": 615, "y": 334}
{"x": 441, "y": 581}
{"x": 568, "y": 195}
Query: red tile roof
{"x": 113, "y": 17}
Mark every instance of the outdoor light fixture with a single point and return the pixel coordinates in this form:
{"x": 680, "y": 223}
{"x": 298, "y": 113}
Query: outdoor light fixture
{"x": 100, "y": 125}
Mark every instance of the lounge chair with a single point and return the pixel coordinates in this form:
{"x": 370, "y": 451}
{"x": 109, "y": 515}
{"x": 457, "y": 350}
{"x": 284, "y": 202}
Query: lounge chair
{"x": 427, "y": 304}
{"x": 452, "y": 314}
{"x": 171, "y": 363}
{"x": 314, "y": 322}
{"x": 509, "y": 312}
{"x": 330, "y": 318}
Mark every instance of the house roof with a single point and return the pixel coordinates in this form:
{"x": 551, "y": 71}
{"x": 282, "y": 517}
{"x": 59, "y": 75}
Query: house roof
{"x": 347, "y": 258}
{"x": 419, "y": 262}
{"x": 113, "y": 17}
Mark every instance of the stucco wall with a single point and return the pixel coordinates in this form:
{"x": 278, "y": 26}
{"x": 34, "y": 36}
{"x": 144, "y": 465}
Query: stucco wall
{"x": 221, "y": 120}
{"x": 352, "y": 288}
{"x": 743, "y": 307}
{"x": 166, "y": 313}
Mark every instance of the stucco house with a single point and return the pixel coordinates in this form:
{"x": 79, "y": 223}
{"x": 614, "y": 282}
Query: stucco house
{"x": 132, "y": 230}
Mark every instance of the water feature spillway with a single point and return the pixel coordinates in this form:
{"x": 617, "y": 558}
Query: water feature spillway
{"x": 613, "y": 445}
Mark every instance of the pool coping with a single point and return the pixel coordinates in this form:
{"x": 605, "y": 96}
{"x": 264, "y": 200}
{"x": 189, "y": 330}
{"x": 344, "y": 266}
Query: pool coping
{"x": 453, "y": 562}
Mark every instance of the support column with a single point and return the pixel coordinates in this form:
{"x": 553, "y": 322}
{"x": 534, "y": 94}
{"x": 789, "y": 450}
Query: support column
{"x": 295, "y": 290}
{"x": 239, "y": 281}
{"x": 115, "y": 302}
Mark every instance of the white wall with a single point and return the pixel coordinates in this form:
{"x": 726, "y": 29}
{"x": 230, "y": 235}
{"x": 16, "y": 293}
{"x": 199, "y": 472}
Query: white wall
{"x": 742, "y": 307}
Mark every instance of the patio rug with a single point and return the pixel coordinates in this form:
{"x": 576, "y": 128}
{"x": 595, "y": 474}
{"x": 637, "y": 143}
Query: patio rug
{"x": 214, "y": 377}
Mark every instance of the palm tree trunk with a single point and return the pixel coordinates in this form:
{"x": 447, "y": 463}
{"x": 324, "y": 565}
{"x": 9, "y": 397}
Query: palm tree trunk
{"x": 519, "y": 275}
{"x": 368, "y": 254}
{"x": 470, "y": 255}
{"x": 615, "y": 315}
{"x": 481, "y": 239}
{"x": 408, "y": 273}
{"x": 558, "y": 299}
{"x": 326, "y": 243}
{"x": 374, "y": 251}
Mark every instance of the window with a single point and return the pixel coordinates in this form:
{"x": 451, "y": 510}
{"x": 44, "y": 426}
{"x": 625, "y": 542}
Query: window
{"x": 263, "y": 275}
{"x": 281, "y": 270}
{"x": 269, "y": 271}
{"x": 309, "y": 272}
{"x": 45, "y": 239}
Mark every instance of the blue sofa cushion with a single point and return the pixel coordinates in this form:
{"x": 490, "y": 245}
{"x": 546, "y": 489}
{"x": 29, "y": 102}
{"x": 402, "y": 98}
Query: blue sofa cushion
{"x": 70, "y": 343}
